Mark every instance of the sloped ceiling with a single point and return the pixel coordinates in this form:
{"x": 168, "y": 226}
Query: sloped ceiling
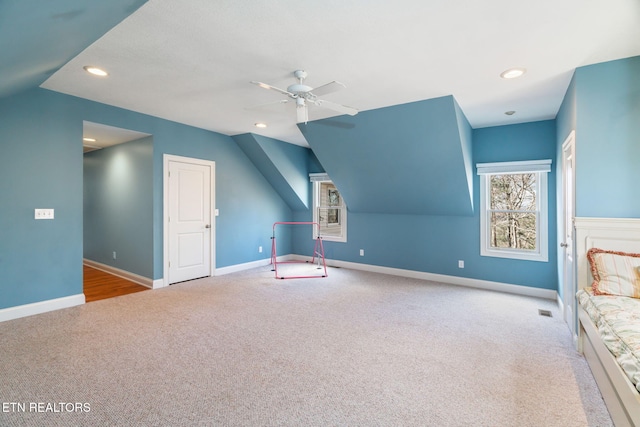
{"x": 38, "y": 37}
{"x": 283, "y": 165}
{"x": 406, "y": 159}
{"x": 191, "y": 61}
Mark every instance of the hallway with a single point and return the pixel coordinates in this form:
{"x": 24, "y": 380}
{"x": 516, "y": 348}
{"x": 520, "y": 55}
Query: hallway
{"x": 101, "y": 285}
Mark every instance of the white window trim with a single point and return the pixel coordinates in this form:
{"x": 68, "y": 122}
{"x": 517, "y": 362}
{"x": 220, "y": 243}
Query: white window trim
{"x": 541, "y": 168}
{"x": 315, "y": 179}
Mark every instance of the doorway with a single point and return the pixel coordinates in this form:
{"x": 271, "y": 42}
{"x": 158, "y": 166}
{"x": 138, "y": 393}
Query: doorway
{"x": 117, "y": 206}
{"x": 189, "y": 211}
{"x": 567, "y": 242}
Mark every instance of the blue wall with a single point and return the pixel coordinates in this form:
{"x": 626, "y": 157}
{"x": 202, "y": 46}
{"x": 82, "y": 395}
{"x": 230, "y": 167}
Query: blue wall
{"x": 41, "y": 163}
{"x": 608, "y": 139}
{"x": 405, "y": 159}
{"x": 42, "y": 167}
{"x": 248, "y": 204}
{"x": 118, "y": 206}
{"x": 602, "y": 104}
{"x": 434, "y": 244}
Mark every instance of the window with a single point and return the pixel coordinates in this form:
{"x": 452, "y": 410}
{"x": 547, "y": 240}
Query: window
{"x": 329, "y": 209}
{"x": 513, "y": 209}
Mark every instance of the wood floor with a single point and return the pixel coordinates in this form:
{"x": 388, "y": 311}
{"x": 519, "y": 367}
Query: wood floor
{"x": 100, "y": 285}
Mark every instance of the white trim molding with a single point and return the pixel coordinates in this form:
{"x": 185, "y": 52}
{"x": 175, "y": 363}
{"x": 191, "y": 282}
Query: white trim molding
{"x": 41, "y": 307}
{"x": 529, "y": 166}
{"x": 443, "y": 278}
{"x": 315, "y": 177}
{"x": 249, "y": 265}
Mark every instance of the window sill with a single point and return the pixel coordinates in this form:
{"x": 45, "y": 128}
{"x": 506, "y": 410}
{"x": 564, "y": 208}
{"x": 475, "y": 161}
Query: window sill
{"x": 519, "y": 255}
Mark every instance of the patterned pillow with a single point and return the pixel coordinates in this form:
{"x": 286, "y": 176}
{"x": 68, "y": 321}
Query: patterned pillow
{"x": 615, "y": 273}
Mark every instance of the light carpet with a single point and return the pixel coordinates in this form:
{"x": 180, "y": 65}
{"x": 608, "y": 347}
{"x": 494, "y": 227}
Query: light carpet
{"x": 246, "y": 349}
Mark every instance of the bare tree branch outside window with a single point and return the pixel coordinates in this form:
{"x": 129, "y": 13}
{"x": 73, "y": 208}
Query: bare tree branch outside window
{"x": 513, "y": 212}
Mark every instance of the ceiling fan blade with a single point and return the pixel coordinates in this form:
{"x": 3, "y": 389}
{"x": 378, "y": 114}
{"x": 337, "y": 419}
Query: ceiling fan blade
{"x": 328, "y": 88}
{"x": 277, "y": 89}
{"x": 336, "y": 107}
{"x": 301, "y": 113}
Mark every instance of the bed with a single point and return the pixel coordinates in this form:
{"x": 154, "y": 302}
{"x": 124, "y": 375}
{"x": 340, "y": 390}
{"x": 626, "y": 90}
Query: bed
{"x": 608, "y": 314}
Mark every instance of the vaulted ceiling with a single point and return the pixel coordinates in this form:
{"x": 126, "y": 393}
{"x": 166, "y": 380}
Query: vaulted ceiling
{"x": 37, "y": 38}
{"x": 191, "y": 61}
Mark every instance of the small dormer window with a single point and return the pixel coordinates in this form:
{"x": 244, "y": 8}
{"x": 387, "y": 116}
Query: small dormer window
{"x": 329, "y": 209}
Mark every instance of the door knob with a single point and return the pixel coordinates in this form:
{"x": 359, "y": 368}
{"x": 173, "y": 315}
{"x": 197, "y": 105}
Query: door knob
{"x": 563, "y": 245}
{"x": 207, "y": 226}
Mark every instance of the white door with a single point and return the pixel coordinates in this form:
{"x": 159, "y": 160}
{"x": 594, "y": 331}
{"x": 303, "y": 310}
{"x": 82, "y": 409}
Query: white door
{"x": 567, "y": 239}
{"x": 190, "y": 228}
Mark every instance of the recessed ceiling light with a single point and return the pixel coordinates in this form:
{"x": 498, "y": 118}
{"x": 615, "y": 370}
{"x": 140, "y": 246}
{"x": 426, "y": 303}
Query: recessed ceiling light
{"x": 89, "y": 139}
{"x": 512, "y": 73}
{"x": 95, "y": 71}
{"x": 510, "y": 113}
{"x": 261, "y": 125}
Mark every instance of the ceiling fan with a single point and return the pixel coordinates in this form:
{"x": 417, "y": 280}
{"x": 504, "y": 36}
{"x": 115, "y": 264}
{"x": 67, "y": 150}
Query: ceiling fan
{"x": 304, "y": 95}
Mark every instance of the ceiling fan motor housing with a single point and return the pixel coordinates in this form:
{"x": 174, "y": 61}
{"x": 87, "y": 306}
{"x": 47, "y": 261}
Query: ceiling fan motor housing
{"x": 299, "y": 89}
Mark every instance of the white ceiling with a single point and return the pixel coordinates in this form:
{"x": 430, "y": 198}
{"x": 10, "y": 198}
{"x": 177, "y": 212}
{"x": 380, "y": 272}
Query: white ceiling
{"x": 106, "y": 136}
{"x": 191, "y": 61}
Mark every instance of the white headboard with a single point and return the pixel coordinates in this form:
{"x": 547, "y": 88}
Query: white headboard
{"x": 620, "y": 234}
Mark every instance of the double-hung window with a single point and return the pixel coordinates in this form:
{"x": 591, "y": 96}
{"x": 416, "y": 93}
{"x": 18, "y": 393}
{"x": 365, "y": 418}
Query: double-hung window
{"x": 514, "y": 209}
{"x": 329, "y": 209}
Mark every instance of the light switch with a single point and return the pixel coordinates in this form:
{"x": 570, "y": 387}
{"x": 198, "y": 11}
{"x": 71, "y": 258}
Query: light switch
{"x": 44, "y": 213}
{"x": 216, "y": 212}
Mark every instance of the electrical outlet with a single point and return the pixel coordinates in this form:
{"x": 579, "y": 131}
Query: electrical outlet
{"x": 460, "y": 264}
{"x": 361, "y": 252}
{"x": 43, "y": 214}
{"x": 260, "y": 249}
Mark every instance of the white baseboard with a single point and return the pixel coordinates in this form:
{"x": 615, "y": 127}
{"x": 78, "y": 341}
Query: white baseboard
{"x": 442, "y": 278}
{"x": 249, "y": 265}
{"x": 132, "y": 277}
{"x": 40, "y": 307}
{"x": 452, "y": 280}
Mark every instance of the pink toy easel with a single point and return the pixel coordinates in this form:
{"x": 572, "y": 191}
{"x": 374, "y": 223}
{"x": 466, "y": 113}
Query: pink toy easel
{"x": 318, "y": 252}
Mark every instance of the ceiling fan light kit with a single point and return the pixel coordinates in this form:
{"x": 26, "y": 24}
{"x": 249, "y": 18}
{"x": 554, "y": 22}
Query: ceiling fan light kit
{"x": 303, "y": 95}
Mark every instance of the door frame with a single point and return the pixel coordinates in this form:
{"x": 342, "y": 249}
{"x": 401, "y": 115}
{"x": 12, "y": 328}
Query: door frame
{"x": 569, "y": 289}
{"x": 167, "y": 158}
